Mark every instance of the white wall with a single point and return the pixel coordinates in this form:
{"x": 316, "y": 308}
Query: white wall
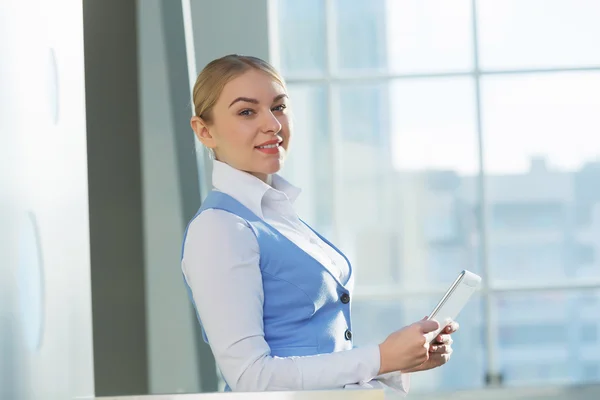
{"x": 45, "y": 310}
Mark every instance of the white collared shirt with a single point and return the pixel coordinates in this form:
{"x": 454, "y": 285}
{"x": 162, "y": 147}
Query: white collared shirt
{"x": 222, "y": 257}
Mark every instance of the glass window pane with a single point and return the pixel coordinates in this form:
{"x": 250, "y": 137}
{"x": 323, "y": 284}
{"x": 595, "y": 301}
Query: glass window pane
{"x": 411, "y": 176}
{"x": 364, "y": 109}
{"x": 538, "y": 33}
{"x": 430, "y": 35}
{"x": 361, "y": 36}
{"x": 301, "y": 37}
{"x": 548, "y": 338}
{"x": 374, "y": 320}
{"x": 542, "y": 157}
{"x": 403, "y": 36}
{"x": 309, "y": 160}
{"x": 434, "y": 124}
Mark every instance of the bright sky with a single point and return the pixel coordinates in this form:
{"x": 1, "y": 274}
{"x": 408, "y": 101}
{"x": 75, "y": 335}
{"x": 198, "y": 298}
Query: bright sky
{"x": 553, "y": 115}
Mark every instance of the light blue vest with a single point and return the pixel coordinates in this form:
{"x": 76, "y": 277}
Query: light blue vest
{"x": 306, "y": 309}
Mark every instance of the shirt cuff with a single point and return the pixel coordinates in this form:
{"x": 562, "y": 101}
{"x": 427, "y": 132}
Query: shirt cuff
{"x": 393, "y": 383}
{"x": 394, "y": 386}
{"x": 370, "y": 362}
{"x": 397, "y": 381}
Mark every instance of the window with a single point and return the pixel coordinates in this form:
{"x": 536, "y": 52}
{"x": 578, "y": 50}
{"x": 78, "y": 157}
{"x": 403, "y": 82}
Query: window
{"x": 590, "y": 372}
{"x": 309, "y": 165}
{"x": 514, "y": 34}
{"x": 589, "y": 333}
{"x": 537, "y": 332}
{"x": 306, "y": 20}
{"x": 404, "y": 108}
{"x": 587, "y": 194}
{"x": 584, "y": 254}
{"x": 528, "y": 216}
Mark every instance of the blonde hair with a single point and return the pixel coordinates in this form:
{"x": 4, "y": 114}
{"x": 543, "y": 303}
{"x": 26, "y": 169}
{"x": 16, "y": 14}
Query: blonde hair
{"x": 217, "y": 73}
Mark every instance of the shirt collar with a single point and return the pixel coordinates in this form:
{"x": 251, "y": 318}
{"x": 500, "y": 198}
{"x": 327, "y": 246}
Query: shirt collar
{"x": 248, "y": 189}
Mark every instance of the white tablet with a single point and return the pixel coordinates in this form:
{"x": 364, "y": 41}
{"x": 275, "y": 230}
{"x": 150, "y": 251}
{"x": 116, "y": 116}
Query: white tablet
{"x": 454, "y": 300}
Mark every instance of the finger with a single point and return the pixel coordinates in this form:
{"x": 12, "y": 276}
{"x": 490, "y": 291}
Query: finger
{"x": 440, "y": 348}
{"x": 453, "y": 327}
{"x": 446, "y": 356}
{"x": 429, "y": 326}
{"x": 438, "y": 359}
{"x": 443, "y": 339}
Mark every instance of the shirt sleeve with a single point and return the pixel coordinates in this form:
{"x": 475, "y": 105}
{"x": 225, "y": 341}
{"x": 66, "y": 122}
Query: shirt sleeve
{"x": 221, "y": 266}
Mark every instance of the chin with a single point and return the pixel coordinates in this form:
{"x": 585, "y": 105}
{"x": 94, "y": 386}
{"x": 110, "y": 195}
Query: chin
{"x": 272, "y": 167}
{"x": 268, "y": 165}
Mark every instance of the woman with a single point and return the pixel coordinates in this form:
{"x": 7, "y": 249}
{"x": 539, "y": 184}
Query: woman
{"x": 273, "y": 296}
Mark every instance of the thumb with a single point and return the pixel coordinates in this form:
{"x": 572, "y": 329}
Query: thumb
{"x": 429, "y": 326}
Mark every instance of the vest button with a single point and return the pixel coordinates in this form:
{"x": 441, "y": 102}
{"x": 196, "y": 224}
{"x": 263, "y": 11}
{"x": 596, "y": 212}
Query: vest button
{"x": 345, "y": 298}
{"x": 348, "y": 334}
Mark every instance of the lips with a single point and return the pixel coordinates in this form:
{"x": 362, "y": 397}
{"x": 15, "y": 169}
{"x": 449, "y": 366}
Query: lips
{"x": 269, "y": 144}
{"x": 270, "y": 147}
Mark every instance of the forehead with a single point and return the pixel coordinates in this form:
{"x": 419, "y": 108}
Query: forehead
{"x": 254, "y": 84}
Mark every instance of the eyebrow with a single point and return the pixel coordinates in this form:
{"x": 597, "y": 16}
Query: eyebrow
{"x": 255, "y": 101}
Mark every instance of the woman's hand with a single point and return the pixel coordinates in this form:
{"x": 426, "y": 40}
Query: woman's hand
{"x": 440, "y": 350}
{"x": 407, "y": 348}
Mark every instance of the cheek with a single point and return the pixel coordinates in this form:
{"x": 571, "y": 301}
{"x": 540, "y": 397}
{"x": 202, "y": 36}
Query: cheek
{"x": 286, "y": 128}
{"x": 236, "y": 134}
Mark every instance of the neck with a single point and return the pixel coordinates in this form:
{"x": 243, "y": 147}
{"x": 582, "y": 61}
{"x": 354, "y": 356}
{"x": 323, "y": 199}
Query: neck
{"x": 266, "y": 178}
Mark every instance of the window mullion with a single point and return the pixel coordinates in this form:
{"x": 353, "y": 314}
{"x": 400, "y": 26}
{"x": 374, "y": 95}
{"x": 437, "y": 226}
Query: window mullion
{"x": 492, "y": 376}
{"x": 335, "y": 144}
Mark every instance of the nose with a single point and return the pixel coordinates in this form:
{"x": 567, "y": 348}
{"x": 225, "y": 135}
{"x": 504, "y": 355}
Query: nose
{"x": 271, "y": 124}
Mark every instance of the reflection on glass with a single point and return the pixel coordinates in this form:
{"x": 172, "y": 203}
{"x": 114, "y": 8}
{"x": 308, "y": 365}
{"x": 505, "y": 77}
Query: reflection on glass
{"x": 520, "y": 34}
{"x": 309, "y": 161}
{"x": 301, "y": 30}
{"x": 373, "y": 321}
{"x": 542, "y": 156}
{"x": 548, "y": 338}
{"x": 408, "y": 163}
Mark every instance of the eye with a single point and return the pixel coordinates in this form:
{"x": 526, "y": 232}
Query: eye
{"x": 246, "y": 113}
{"x": 280, "y": 107}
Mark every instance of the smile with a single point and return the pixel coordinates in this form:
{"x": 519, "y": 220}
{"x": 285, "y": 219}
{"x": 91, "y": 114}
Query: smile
{"x": 268, "y": 146}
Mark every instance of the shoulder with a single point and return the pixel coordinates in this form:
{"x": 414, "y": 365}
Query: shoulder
{"x": 218, "y": 230}
{"x": 216, "y": 220}
{"x": 219, "y": 251}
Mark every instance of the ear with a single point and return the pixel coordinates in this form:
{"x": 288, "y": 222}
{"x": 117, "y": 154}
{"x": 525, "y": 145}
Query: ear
{"x": 200, "y": 128}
